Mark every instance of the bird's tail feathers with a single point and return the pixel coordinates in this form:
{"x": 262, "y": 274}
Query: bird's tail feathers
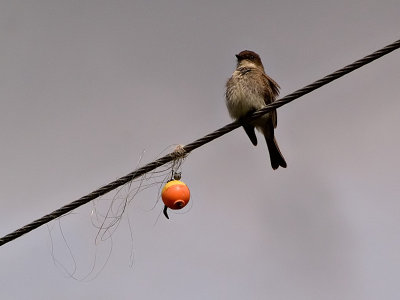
{"x": 275, "y": 154}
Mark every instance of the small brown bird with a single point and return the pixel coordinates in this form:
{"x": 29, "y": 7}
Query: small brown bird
{"x": 248, "y": 90}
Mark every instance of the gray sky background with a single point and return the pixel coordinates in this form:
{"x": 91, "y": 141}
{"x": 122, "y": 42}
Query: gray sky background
{"x": 87, "y": 86}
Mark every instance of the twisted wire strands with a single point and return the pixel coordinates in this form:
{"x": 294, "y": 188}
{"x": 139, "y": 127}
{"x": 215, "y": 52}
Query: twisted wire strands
{"x": 197, "y": 143}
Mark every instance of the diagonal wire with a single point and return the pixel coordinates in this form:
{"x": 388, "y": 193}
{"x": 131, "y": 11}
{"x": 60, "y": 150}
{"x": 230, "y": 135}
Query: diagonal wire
{"x": 197, "y": 143}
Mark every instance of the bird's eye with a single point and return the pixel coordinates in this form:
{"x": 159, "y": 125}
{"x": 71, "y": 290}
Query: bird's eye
{"x": 252, "y": 57}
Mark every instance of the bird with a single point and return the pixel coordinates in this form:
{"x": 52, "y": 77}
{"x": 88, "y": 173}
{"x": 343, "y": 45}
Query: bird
{"x": 250, "y": 89}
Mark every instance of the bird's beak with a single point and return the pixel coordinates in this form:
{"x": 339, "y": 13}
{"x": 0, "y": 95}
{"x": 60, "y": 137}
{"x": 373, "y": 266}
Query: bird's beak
{"x": 237, "y": 56}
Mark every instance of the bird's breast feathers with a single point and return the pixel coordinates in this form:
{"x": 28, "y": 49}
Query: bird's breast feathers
{"x": 243, "y": 94}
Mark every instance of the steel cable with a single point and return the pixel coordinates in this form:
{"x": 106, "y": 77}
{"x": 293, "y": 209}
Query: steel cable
{"x": 197, "y": 143}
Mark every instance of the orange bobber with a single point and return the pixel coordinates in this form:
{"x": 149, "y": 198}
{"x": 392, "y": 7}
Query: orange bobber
{"x": 175, "y": 194}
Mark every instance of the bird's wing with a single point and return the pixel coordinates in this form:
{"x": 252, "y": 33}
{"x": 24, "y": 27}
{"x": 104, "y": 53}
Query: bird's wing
{"x": 270, "y": 95}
